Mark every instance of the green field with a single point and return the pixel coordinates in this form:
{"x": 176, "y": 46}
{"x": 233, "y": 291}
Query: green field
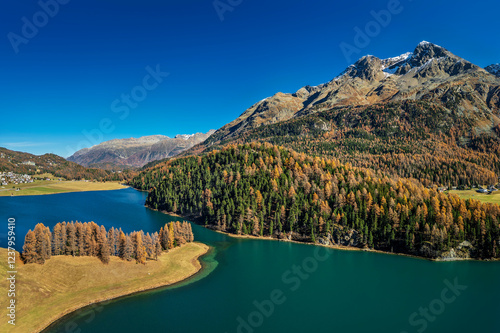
{"x": 39, "y": 187}
{"x": 63, "y": 284}
{"x": 472, "y": 194}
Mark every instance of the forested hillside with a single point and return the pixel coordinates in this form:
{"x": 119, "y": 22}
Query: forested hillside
{"x": 266, "y": 190}
{"x": 411, "y": 139}
{"x": 25, "y": 163}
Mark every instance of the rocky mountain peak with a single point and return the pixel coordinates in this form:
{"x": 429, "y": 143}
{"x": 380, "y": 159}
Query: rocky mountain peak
{"x": 365, "y": 68}
{"x": 426, "y": 51}
{"x": 429, "y": 73}
{"x": 430, "y": 60}
{"x": 493, "y": 69}
{"x": 426, "y": 55}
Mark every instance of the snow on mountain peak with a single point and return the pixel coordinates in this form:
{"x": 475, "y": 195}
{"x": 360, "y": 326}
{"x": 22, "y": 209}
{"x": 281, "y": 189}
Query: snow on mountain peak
{"x": 493, "y": 69}
{"x": 425, "y": 43}
{"x": 402, "y": 57}
{"x": 389, "y": 62}
{"x": 184, "y": 136}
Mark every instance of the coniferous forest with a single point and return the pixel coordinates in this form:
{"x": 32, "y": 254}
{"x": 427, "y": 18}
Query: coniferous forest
{"x": 411, "y": 139}
{"x": 90, "y": 239}
{"x": 266, "y": 190}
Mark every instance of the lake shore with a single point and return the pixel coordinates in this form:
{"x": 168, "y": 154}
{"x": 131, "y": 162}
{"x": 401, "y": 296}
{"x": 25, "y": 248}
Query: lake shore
{"x": 65, "y": 284}
{"x": 56, "y": 187}
{"x": 345, "y": 248}
{"x": 334, "y": 247}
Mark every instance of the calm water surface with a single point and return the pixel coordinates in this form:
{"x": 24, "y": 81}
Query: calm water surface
{"x": 267, "y": 286}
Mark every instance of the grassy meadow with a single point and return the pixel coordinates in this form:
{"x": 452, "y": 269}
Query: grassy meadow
{"x": 39, "y": 187}
{"x": 472, "y": 194}
{"x": 63, "y": 284}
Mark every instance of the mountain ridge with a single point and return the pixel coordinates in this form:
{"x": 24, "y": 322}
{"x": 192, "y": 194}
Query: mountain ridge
{"x": 26, "y": 163}
{"x": 429, "y": 73}
{"x": 136, "y": 152}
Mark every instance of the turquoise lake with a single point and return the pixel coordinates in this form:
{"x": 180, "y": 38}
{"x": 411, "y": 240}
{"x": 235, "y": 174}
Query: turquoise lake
{"x": 270, "y": 286}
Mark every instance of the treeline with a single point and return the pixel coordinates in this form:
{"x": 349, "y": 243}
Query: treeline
{"x": 89, "y": 239}
{"x": 411, "y": 139}
{"x": 267, "y": 190}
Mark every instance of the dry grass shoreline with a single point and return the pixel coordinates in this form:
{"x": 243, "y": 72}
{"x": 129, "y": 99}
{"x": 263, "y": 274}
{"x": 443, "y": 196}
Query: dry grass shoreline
{"x": 56, "y": 187}
{"x": 65, "y": 284}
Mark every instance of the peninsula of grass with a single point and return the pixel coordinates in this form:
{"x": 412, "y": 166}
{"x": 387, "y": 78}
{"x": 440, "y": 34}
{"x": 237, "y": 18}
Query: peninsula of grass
{"x": 45, "y": 293}
{"x": 40, "y": 187}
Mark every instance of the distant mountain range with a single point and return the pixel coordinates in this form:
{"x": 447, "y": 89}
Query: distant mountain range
{"x": 134, "y": 153}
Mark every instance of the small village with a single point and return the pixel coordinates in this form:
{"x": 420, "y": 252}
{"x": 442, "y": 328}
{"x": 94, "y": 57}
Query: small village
{"x": 489, "y": 190}
{"x": 14, "y": 178}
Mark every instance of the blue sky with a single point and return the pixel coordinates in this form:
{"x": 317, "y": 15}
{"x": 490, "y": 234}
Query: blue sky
{"x": 65, "y": 84}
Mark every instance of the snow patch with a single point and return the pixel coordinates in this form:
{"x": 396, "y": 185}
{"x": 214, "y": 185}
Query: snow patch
{"x": 341, "y": 75}
{"x": 397, "y": 59}
{"x": 424, "y": 42}
{"x": 493, "y": 69}
{"x": 391, "y": 65}
{"x": 390, "y": 71}
{"x": 391, "y": 61}
{"x": 428, "y": 63}
{"x": 184, "y": 136}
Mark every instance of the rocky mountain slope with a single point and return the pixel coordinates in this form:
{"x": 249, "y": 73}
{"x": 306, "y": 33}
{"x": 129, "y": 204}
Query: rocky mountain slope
{"x": 134, "y": 153}
{"x": 429, "y": 73}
